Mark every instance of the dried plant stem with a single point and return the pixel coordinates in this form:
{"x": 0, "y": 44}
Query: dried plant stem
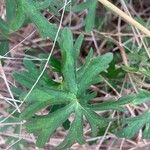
{"x": 124, "y": 16}
{"x": 8, "y": 87}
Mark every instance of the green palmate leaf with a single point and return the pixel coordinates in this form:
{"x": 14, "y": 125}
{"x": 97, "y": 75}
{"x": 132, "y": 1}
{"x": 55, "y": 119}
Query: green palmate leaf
{"x": 72, "y": 98}
{"x": 69, "y": 97}
{"x": 133, "y": 125}
{"x": 23, "y": 10}
{"x": 26, "y": 9}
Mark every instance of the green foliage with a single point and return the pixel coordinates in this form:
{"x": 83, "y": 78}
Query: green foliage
{"x": 20, "y": 11}
{"x": 131, "y": 126}
{"x": 71, "y": 94}
{"x": 4, "y": 27}
{"x": 90, "y": 6}
{"x": 27, "y": 77}
{"x": 26, "y": 9}
{"x": 113, "y": 71}
{"x": 53, "y": 6}
{"x": 145, "y": 70}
